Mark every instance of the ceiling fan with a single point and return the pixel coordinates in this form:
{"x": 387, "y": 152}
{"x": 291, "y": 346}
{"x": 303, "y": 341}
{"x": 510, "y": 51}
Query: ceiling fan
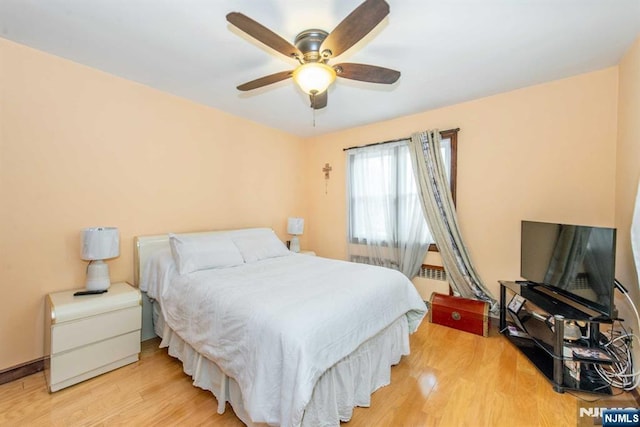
{"x": 314, "y": 48}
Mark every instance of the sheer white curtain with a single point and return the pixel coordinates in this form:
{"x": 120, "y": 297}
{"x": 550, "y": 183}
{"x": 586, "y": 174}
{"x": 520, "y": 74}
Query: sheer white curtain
{"x": 635, "y": 233}
{"x": 386, "y": 223}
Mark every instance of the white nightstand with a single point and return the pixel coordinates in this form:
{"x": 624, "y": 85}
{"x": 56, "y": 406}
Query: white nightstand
{"x": 91, "y": 334}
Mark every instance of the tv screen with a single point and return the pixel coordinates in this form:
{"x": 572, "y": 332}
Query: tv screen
{"x": 576, "y": 261}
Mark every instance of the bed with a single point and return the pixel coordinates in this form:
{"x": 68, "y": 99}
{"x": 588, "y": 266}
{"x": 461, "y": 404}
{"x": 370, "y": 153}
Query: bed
{"x": 287, "y": 339}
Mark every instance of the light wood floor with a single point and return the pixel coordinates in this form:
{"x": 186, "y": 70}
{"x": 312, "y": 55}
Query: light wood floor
{"x": 451, "y": 378}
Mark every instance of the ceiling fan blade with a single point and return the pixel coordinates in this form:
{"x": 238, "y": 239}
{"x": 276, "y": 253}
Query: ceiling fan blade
{"x": 366, "y": 73}
{"x": 319, "y": 101}
{"x": 266, "y": 80}
{"x": 355, "y": 26}
{"x": 263, "y": 34}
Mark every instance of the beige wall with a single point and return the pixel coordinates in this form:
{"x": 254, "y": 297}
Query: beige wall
{"x": 544, "y": 153}
{"x": 628, "y": 176}
{"x": 82, "y": 148}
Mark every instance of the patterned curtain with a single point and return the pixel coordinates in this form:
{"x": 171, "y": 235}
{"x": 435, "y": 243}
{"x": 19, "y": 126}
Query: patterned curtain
{"x": 440, "y": 213}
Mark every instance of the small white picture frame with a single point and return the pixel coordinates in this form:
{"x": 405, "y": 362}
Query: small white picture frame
{"x": 516, "y": 303}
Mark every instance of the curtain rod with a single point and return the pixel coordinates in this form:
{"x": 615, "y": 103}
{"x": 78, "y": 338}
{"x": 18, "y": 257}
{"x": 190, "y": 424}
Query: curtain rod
{"x": 392, "y": 141}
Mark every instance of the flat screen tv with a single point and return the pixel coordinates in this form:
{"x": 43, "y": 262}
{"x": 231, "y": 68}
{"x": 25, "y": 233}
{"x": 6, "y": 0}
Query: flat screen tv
{"x": 575, "y": 261}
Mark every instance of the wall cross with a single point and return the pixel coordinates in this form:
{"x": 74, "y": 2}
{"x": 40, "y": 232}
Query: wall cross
{"x": 326, "y": 169}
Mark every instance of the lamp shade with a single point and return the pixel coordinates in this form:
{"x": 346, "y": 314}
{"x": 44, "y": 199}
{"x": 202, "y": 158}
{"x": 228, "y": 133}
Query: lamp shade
{"x": 295, "y": 226}
{"x": 100, "y": 243}
{"x": 314, "y": 77}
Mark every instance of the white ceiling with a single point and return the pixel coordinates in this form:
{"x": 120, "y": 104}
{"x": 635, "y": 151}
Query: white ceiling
{"x": 448, "y": 51}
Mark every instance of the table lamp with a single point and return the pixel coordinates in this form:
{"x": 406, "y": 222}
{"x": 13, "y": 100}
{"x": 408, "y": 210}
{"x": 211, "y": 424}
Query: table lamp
{"x": 98, "y": 244}
{"x": 295, "y": 226}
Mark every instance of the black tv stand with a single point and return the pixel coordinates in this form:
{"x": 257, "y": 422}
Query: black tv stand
{"x": 540, "y": 330}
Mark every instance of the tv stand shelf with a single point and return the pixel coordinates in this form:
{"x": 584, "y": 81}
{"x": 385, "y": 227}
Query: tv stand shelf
{"x": 538, "y": 329}
{"x": 552, "y": 302}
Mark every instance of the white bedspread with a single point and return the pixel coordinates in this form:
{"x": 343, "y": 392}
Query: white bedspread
{"x": 276, "y": 325}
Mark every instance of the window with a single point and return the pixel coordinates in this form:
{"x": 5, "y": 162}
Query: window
{"x": 382, "y": 189}
{"x": 381, "y": 182}
{"x": 449, "y": 142}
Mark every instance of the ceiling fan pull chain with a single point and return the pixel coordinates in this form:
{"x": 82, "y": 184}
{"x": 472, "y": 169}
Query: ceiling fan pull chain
{"x": 313, "y": 103}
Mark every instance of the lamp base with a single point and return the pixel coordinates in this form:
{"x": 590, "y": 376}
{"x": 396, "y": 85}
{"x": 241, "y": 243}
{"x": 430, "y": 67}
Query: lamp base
{"x": 97, "y": 276}
{"x": 295, "y": 244}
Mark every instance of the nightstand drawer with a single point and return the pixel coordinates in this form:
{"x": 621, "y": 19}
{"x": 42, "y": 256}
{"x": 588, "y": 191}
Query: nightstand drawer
{"x": 66, "y": 366}
{"x": 77, "y": 333}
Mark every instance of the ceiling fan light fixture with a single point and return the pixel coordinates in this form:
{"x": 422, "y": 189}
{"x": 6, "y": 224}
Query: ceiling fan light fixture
{"x": 314, "y": 77}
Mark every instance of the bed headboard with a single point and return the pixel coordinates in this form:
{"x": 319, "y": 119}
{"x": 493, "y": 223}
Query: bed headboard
{"x": 144, "y": 247}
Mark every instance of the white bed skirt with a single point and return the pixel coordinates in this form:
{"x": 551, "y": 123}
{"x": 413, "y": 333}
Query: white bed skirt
{"x": 349, "y": 383}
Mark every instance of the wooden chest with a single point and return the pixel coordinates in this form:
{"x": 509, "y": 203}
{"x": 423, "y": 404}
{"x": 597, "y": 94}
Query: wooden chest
{"x": 460, "y": 313}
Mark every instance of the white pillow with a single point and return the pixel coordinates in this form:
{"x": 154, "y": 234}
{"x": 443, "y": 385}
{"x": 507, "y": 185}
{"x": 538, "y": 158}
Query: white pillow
{"x": 259, "y": 243}
{"x": 203, "y": 251}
